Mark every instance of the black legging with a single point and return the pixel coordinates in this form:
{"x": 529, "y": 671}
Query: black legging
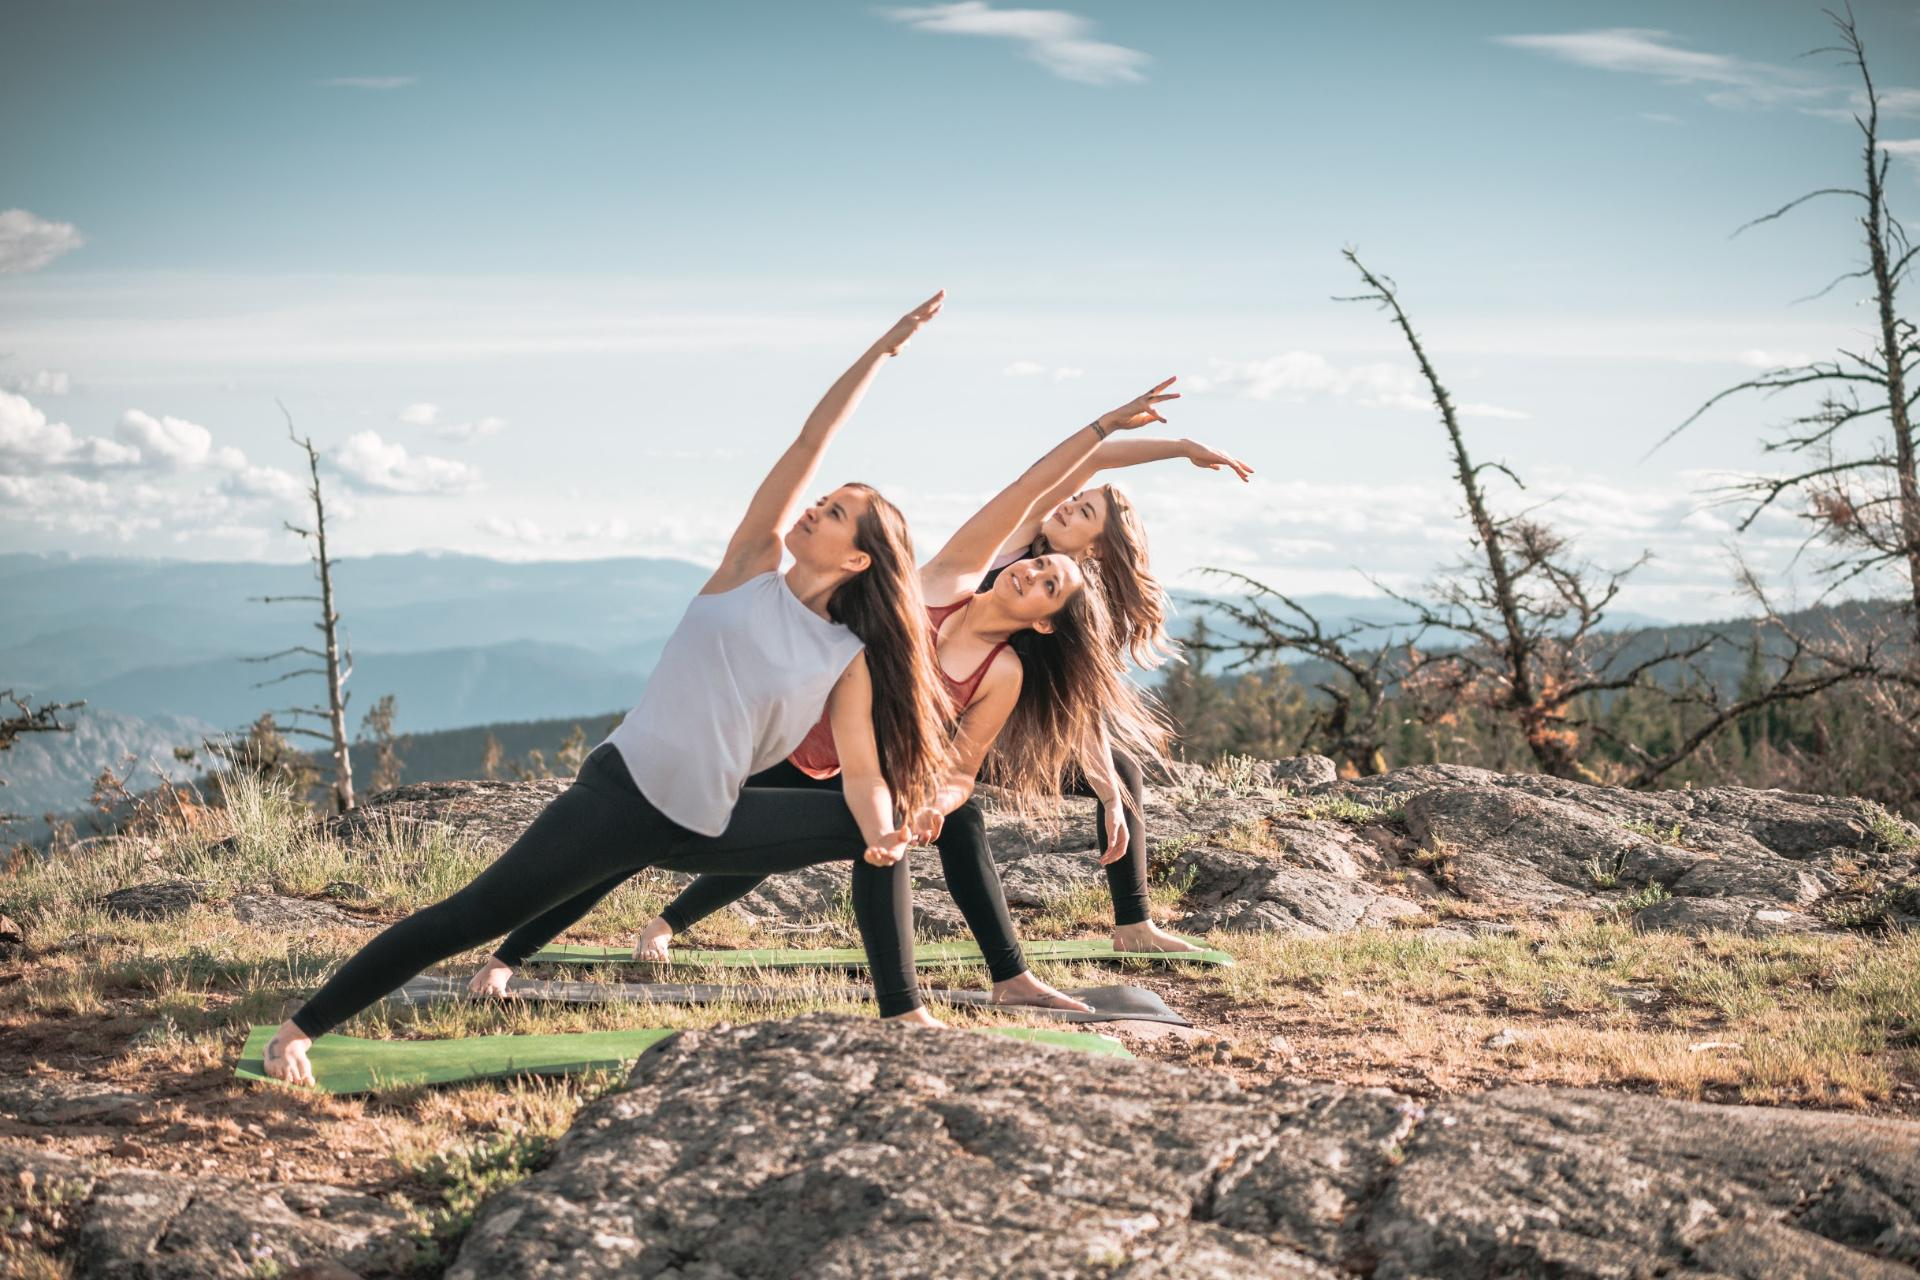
{"x": 600, "y": 831}
{"x": 1127, "y": 878}
{"x": 965, "y": 861}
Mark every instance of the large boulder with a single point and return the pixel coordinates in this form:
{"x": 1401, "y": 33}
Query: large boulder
{"x": 841, "y": 1147}
{"x": 487, "y": 812}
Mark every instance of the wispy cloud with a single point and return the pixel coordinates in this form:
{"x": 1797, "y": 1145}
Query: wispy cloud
{"x": 1907, "y": 149}
{"x": 41, "y": 382}
{"x": 533, "y": 534}
{"x": 29, "y": 242}
{"x": 1730, "y": 81}
{"x": 1301, "y": 376}
{"x": 428, "y": 416}
{"x": 1057, "y": 40}
{"x": 374, "y": 463}
{"x": 368, "y": 82}
{"x": 1033, "y": 369}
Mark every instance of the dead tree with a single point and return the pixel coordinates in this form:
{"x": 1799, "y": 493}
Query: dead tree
{"x": 336, "y": 659}
{"x": 25, "y": 718}
{"x": 1351, "y": 728}
{"x": 1528, "y": 614}
{"x": 1861, "y": 498}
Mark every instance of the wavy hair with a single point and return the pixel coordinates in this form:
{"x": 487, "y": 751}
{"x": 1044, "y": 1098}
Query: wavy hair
{"x": 1136, "y": 599}
{"x": 884, "y": 607}
{"x": 1074, "y": 680}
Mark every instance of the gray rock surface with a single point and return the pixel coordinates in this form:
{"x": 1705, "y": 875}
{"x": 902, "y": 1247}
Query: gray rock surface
{"x": 276, "y": 911}
{"x": 155, "y": 899}
{"x": 119, "y": 1222}
{"x": 841, "y": 1147}
{"x": 1516, "y": 844}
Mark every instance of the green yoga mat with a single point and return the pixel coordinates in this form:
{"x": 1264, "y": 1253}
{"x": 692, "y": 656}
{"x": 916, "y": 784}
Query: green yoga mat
{"x": 345, "y": 1064}
{"x": 926, "y": 955}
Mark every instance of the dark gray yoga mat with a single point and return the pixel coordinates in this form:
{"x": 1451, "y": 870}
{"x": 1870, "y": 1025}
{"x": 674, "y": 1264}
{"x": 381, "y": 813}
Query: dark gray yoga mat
{"x": 1110, "y": 1004}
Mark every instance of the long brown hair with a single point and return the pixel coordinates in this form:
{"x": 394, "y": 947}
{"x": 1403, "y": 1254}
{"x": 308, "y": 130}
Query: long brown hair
{"x": 1073, "y": 679}
{"x": 1137, "y": 600}
{"x": 883, "y": 606}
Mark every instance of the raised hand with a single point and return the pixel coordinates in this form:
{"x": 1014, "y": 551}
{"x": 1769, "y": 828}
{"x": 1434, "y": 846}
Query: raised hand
{"x": 892, "y": 848}
{"x": 1139, "y": 411}
{"x": 911, "y": 323}
{"x": 1213, "y": 459}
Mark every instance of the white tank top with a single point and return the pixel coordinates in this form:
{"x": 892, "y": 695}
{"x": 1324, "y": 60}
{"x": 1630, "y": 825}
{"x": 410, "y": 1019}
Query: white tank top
{"x": 741, "y": 680}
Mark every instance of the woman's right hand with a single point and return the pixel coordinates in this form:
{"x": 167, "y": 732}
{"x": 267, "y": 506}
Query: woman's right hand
{"x": 891, "y": 848}
{"x": 1137, "y": 412}
{"x": 911, "y": 323}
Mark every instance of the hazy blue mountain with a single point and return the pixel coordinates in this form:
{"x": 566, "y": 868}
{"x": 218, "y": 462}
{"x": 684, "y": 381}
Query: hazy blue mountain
{"x": 389, "y": 604}
{"x": 435, "y": 689}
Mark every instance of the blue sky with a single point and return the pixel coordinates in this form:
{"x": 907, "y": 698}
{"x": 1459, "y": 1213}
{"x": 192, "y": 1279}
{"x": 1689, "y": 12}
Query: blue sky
{"x": 554, "y": 280}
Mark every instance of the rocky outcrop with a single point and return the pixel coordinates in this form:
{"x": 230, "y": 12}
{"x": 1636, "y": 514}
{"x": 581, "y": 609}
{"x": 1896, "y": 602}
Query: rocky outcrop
{"x": 486, "y": 812}
{"x": 1285, "y": 845}
{"x": 155, "y": 899}
{"x": 109, "y": 1221}
{"x": 834, "y": 1146}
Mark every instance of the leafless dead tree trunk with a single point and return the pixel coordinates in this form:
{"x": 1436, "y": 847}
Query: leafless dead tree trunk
{"x": 1529, "y": 615}
{"x": 337, "y": 660}
{"x": 1862, "y": 500}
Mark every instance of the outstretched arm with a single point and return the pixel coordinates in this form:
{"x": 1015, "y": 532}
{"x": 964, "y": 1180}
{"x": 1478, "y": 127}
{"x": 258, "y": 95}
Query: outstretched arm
{"x": 755, "y": 547}
{"x": 958, "y": 567}
{"x": 850, "y": 710}
{"x": 1111, "y": 455}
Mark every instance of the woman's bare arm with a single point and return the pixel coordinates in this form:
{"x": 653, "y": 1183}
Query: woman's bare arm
{"x": 958, "y": 567}
{"x": 755, "y": 546}
{"x": 869, "y": 799}
{"x": 1110, "y": 456}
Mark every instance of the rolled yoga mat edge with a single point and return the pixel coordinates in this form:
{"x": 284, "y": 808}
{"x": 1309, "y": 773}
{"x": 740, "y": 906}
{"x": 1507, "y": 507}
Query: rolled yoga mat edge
{"x": 926, "y": 955}
{"x": 350, "y": 1065}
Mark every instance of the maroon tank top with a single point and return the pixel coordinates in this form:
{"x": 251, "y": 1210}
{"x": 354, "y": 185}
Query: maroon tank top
{"x": 818, "y": 757}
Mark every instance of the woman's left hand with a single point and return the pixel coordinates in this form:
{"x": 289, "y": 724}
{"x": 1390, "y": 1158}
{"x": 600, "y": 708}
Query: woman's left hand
{"x": 891, "y": 848}
{"x": 1213, "y": 459}
{"x": 911, "y": 323}
{"x": 1116, "y": 833}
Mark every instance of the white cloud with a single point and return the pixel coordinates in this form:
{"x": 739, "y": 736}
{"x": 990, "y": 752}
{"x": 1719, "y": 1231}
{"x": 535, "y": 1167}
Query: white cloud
{"x": 41, "y": 382}
{"x": 1299, "y": 376}
{"x": 168, "y": 442}
{"x": 379, "y": 464}
{"x": 29, "y": 443}
{"x": 1755, "y": 358}
{"x": 532, "y": 533}
{"x": 1054, "y": 38}
{"x": 1659, "y": 117}
{"x": 28, "y": 243}
{"x": 1907, "y": 149}
{"x": 249, "y": 481}
{"x": 368, "y": 82}
{"x": 1734, "y": 82}
{"x": 427, "y": 415}
{"x": 1032, "y": 369}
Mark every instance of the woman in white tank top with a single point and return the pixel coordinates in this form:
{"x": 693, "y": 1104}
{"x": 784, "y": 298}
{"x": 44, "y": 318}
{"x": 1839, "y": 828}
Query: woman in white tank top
{"x": 740, "y": 682}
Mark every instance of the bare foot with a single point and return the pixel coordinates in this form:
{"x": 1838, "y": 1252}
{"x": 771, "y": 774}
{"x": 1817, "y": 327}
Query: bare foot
{"x": 286, "y": 1055}
{"x": 652, "y": 945}
{"x": 1029, "y": 992}
{"x": 490, "y": 979}
{"x": 1147, "y": 936}
{"x": 916, "y": 1017}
